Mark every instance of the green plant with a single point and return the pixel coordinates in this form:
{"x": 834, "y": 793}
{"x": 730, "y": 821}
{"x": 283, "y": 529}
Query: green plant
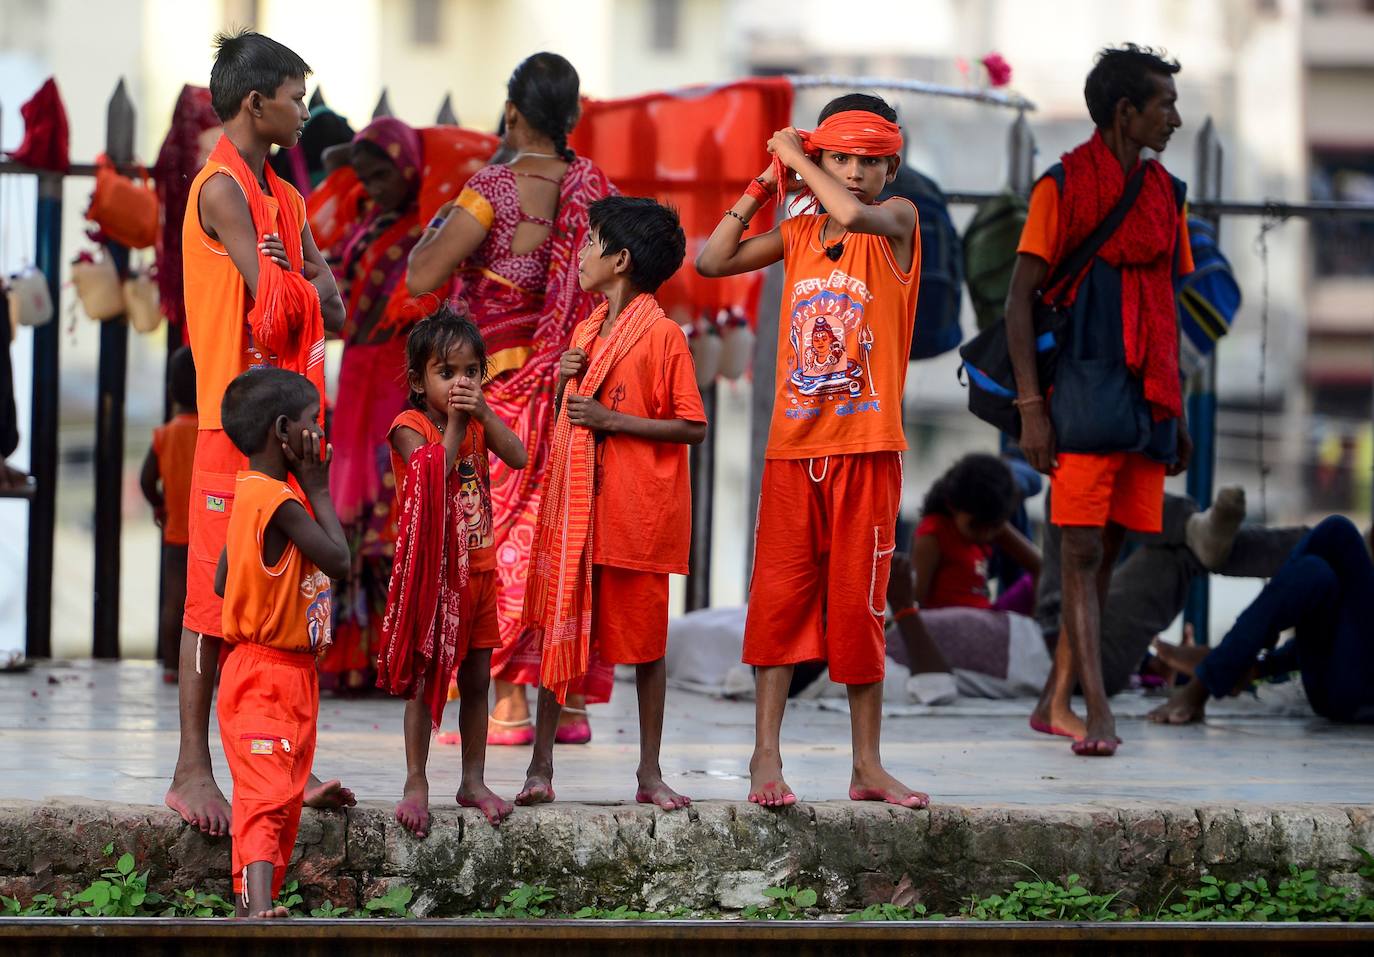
{"x": 1043, "y": 900}
{"x": 1366, "y": 869}
{"x": 394, "y": 903}
{"x": 525, "y": 902}
{"x": 788, "y": 903}
{"x": 327, "y": 909}
{"x": 623, "y": 912}
{"x": 190, "y": 903}
{"x": 887, "y": 911}
{"x": 120, "y": 892}
{"x": 1299, "y": 896}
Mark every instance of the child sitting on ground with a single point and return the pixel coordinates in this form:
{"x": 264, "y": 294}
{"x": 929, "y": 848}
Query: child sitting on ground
{"x": 616, "y": 515}
{"x": 274, "y": 575}
{"x": 965, "y": 518}
{"x": 166, "y": 483}
{"x": 441, "y": 603}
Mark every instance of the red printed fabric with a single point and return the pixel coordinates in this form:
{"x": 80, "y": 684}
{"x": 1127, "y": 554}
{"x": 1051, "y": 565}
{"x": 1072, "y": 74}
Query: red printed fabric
{"x": 46, "y": 133}
{"x": 178, "y": 162}
{"x": 696, "y": 149}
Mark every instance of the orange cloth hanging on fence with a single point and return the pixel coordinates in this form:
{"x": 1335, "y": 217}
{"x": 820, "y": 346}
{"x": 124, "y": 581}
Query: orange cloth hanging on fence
{"x": 696, "y": 149}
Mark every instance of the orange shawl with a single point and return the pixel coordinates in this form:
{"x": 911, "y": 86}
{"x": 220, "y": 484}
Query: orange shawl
{"x": 285, "y": 319}
{"x": 558, "y": 592}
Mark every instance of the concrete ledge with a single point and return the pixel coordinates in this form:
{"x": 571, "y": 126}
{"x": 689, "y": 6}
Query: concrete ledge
{"x": 718, "y": 856}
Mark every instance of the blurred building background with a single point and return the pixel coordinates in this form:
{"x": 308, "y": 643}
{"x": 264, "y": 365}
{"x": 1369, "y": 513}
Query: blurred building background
{"x": 1289, "y": 85}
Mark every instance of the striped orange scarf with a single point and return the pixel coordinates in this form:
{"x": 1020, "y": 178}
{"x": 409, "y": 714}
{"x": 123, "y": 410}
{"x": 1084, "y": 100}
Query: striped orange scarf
{"x": 558, "y": 591}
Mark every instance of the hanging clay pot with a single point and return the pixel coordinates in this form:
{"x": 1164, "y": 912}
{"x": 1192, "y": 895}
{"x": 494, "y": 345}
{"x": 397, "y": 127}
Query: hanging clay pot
{"x": 738, "y": 351}
{"x": 141, "y": 303}
{"x": 98, "y": 287}
{"x": 30, "y": 301}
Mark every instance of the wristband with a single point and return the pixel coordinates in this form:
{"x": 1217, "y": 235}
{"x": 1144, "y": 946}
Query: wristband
{"x": 907, "y": 612}
{"x": 758, "y": 192}
{"x": 1021, "y": 403}
{"x": 731, "y": 212}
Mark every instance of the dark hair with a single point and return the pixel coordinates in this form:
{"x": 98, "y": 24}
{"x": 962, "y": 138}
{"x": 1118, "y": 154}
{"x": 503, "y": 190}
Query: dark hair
{"x": 544, "y": 88}
{"x": 979, "y": 484}
{"x": 648, "y": 229}
{"x": 1124, "y": 71}
{"x": 246, "y": 62}
{"x": 435, "y": 335}
{"x": 254, "y": 400}
{"x": 859, "y": 101}
{"x": 181, "y": 378}
{"x": 375, "y": 150}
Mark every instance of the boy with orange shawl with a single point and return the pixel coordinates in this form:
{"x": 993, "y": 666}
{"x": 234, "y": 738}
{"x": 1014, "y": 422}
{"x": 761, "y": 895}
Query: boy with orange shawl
{"x": 257, "y": 292}
{"x": 832, "y": 477}
{"x": 616, "y": 519}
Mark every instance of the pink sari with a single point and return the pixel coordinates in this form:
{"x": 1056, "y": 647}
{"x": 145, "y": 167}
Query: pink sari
{"x": 542, "y": 320}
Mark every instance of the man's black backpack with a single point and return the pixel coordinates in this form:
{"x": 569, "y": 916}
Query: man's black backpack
{"x": 942, "y": 265}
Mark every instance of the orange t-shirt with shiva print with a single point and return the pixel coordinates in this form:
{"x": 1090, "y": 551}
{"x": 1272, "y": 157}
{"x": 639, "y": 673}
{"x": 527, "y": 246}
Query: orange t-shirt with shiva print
{"x": 844, "y": 340}
{"x": 474, "y": 474}
{"x": 285, "y": 606}
{"x": 642, "y": 509}
{"x": 218, "y": 300}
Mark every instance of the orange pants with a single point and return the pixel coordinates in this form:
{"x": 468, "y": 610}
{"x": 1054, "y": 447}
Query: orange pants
{"x": 822, "y": 552}
{"x": 629, "y": 615}
{"x": 479, "y": 610}
{"x": 1120, "y": 487}
{"x": 217, "y": 464}
{"x": 269, "y": 701}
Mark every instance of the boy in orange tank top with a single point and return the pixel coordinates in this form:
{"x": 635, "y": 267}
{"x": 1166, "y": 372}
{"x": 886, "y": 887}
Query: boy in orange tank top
{"x": 281, "y": 549}
{"x": 244, "y": 234}
{"x": 832, "y": 477}
{"x": 166, "y": 483}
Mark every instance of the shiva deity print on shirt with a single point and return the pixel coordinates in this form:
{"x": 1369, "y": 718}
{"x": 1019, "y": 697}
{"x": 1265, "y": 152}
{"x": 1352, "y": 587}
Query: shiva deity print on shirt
{"x": 474, "y": 499}
{"x": 831, "y": 342}
{"x": 318, "y": 615}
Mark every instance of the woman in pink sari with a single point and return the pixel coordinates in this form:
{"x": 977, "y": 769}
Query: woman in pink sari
{"x": 369, "y": 264}
{"x": 508, "y": 246}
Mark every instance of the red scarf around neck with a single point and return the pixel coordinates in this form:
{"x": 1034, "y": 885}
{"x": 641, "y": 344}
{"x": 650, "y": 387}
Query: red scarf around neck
{"x": 1142, "y": 249}
{"x": 285, "y": 318}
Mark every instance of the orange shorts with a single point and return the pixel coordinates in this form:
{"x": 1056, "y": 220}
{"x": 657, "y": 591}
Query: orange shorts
{"x": 629, "y": 615}
{"x": 216, "y": 468}
{"x": 1125, "y": 488}
{"x": 269, "y": 701}
{"x": 479, "y": 612}
{"x": 822, "y": 552}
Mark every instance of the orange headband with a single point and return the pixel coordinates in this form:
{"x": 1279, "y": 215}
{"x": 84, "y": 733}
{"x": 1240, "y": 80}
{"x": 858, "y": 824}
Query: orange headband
{"x": 853, "y": 131}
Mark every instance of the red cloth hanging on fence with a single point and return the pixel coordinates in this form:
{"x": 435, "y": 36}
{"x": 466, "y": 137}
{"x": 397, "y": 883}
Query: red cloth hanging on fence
{"x": 696, "y": 149}
{"x": 46, "y": 136}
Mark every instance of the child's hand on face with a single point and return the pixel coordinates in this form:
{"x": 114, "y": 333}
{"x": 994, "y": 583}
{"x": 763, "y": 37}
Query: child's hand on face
{"x": 573, "y": 363}
{"x": 465, "y": 396}
{"x": 311, "y": 466}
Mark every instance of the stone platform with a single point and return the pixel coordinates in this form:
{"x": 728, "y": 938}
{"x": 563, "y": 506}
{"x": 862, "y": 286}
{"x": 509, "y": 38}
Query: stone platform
{"x": 85, "y": 753}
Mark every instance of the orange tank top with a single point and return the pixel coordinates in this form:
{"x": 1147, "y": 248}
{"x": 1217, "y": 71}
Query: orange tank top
{"x": 174, "y": 444}
{"x": 474, "y": 493}
{"x": 217, "y": 302}
{"x": 844, "y": 338}
{"x": 285, "y": 606}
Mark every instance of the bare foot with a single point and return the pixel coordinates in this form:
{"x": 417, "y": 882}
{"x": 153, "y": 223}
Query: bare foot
{"x": 1211, "y": 534}
{"x": 493, "y": 806}
{"x": 198, "y": 799}
{"x": 276, "y": 913}
{"x": 538, "y": 789}
{"x": 328, "y": 795}
{"x": 1099, "y": 739}
{"x": 1184, "y": 658}
{"x": 1050, "y": 720}
{"x": 1185, "y": 705}
{"x": 653, "y": 790}
{"x": 878, "y": 785}
{"x": 766, "y": 785}
{"x": 413, "y": 809}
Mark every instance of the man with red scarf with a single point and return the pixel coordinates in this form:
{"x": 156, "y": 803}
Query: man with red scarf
{"x": 1102, "y": 487}
{"x": 257, "y": 292}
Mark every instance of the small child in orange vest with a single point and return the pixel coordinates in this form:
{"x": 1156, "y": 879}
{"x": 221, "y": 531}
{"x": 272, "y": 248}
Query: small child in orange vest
{"x": 166, "y": 484}
{"x": 280, "y": 552}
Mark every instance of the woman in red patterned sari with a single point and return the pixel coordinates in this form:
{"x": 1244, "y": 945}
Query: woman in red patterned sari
{"x": 369, "y": 264}
{"x": 508, "y": 246}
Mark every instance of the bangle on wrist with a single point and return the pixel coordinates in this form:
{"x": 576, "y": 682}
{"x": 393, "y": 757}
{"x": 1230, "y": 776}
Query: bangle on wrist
{"x": 758, "y": 191}
{"x": 731, "y": 212}
{"x": 907, "y": 612}
{"x": 1021, "y": 402}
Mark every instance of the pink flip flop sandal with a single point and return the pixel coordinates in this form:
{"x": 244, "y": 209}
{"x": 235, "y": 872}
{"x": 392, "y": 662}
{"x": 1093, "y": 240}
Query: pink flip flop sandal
{"x": 574, "y": 732}
{"x": 510, "y": 733}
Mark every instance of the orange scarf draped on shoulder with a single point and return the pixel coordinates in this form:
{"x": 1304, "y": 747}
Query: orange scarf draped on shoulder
{"x": 285, "y": 319}
{"x": 558, "y": 591}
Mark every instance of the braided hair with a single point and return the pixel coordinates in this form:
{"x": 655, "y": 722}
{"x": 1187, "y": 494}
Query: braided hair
{"x": 544, "y": 88}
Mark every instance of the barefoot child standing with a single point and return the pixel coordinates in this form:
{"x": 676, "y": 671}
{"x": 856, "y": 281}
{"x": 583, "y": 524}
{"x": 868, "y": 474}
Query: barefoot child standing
{"x": 832, "y": 477}
{"x": 441, "y": 603}
{"x": 616, "y": 517}
{"x": 280, "y": 551}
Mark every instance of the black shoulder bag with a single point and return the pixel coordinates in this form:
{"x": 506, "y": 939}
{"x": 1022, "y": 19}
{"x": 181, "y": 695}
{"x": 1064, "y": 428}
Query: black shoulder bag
{"x": 986, "y": 368}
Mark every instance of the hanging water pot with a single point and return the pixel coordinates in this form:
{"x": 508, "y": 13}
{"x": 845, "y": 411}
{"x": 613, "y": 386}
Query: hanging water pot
{"x": 706, "y": 347}
{"x": 141, "y": 303}
{"x": 98, "y": 288}
{"x": 30, "y": 301}
{"x": 738, "y": 351}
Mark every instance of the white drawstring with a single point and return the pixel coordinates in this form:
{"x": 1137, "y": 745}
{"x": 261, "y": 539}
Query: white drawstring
{"x": 811, "y": 469}
{"x": 199, "y": 635}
